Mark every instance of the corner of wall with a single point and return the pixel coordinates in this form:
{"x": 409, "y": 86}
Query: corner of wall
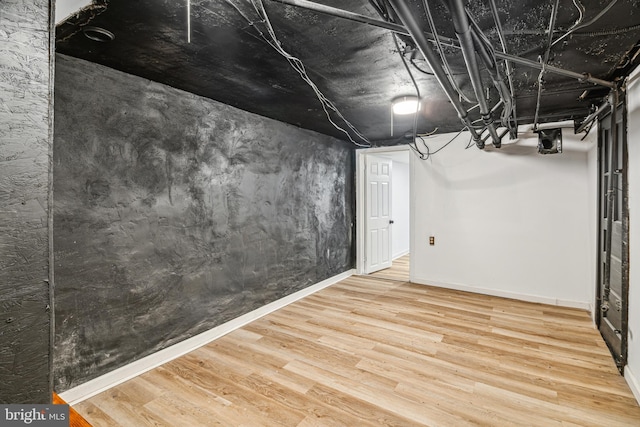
{"x": 25, "y": 170}
{"x": 633, "y": 382}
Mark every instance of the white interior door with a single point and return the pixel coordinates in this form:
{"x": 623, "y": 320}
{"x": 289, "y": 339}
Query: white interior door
{"x": 378, "y": 220}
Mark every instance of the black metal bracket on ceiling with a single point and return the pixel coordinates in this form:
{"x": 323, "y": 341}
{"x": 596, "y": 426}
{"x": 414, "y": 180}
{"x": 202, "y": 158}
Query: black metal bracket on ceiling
{"x": 593, "y": 116}
{"x": 424, "y": 40}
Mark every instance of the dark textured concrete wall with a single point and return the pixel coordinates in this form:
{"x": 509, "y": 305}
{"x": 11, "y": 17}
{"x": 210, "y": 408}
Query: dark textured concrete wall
{"x": 25, "y": 318}
{"x": 175, "y": 213}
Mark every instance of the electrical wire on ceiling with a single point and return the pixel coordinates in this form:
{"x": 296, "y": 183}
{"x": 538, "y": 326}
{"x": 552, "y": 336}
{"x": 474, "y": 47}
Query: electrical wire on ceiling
{"x": 507, "y": 64}
{"x": 272, "y": 40}
{"x": 588, "y": 130}
{"x": 413, "y": 62}
{"x": 440, "y": 50}
{"x": 423, "y": 40}
{"x": 298, "y": 65}
{"x": 414, "y": 136}
{"x": 630, "y": 57}
{"x": 470, "y": 143}
{"x": 419, "y": 68}
{"x": 412, "y": 143}
{"x": 430, "y": 153}
{"x": 552, "y": 23}
{"x": 250, "y": 22}
{"x": 609, "y": 32}
{"x": 433, "y": 132}
{"x": 381, "y": 9}
{"x": 586, "y": 24}
{"x": 474, "y": 53}
{"x": 508, "y": 117}
{"x": 581, "y": 11}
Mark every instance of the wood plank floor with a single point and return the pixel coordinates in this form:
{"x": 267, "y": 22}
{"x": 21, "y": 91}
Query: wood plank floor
{"x": 377, "y": 350}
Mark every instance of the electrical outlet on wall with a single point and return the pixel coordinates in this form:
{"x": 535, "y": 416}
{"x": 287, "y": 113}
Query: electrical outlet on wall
{"x": 432, "y": 240}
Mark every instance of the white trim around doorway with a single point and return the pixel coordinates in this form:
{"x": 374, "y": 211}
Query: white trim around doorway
{"x": 360, "y": 202}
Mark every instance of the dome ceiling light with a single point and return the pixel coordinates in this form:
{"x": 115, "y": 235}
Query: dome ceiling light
{"x": 405, "y": 105}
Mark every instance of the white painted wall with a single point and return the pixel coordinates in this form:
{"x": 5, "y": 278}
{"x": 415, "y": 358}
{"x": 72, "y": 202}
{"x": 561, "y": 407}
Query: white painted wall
{"x": 632, "y": 370}
{"x": 506, "y": 222}
{"x": 400, "y": 205}
{"x": 400, "y": 193}
{"x": 66, "y": 8}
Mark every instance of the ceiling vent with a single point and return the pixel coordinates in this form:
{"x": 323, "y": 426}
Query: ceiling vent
{"x": 98, "y": 34}
{"x": 550, "y": 141}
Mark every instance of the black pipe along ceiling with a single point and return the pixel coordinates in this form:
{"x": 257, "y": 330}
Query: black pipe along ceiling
{"x": 328, "y": 73}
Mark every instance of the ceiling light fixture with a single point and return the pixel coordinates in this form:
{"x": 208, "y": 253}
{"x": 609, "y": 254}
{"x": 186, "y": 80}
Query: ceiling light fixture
{"x": 405, "y": 105}
{"x": 98, "y": 34}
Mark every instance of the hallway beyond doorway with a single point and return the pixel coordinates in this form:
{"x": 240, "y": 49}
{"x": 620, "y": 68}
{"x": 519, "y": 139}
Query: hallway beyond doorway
{"x": 399, "y": 270}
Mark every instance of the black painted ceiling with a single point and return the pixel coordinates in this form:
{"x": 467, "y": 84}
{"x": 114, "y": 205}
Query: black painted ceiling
{"x": 354, "y": 65}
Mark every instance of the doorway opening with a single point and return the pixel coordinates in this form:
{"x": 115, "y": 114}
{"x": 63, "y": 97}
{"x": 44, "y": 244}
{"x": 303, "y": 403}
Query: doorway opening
{"x": 383, "y": 178}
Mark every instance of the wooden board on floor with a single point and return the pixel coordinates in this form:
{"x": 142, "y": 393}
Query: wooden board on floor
{"x": 75, "y": 419}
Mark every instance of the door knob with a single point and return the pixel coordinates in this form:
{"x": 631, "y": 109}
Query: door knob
{"x": 390, "y": 221}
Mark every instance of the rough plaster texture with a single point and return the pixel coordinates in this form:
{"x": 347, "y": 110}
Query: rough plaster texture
{"x": 175, "y": 213}
{"x": 24, "y": 179}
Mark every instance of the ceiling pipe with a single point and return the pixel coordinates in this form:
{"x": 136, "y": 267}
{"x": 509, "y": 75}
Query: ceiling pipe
{"x": 565, "y": 124}
{"x": 496, "y": 77}
{"x": 552, "y": 24}
{"x": 443, "y": 57}
{"x": 463, "y": 31}
{"x": 584, "y": 77}
{"x": 487, "y": 55}
{"x": 406, "y": 16}
{"x": 430, "y": 38}
{"x": 485, "y": 51}
{"x": 507, "y": 64}
{"x": 340, "y": 13}
{"x": 378, "y": 8}
{"x": 447, "y": 41}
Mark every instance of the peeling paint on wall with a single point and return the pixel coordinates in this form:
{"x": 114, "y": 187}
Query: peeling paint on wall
{"x": 24, "y": 180}
{"x": 175, "y": 213}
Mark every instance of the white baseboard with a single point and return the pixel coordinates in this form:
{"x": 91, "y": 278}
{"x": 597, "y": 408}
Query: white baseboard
{"x": 633, "y": 381}
{"x": 400, "y": 254}
{"x": 506, "y": 294}
{"x": 124, "y": 373}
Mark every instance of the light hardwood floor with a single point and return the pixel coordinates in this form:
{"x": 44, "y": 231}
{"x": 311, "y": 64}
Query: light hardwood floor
{"x": 378, "y": 350}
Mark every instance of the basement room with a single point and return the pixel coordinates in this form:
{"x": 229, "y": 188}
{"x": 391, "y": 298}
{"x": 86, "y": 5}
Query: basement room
{"x": 320, "y": 213}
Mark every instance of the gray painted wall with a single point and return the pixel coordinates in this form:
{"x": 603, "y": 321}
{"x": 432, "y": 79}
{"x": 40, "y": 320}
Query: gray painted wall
{"x": 25, "y": 318}
{"x": 175, "y": 213}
